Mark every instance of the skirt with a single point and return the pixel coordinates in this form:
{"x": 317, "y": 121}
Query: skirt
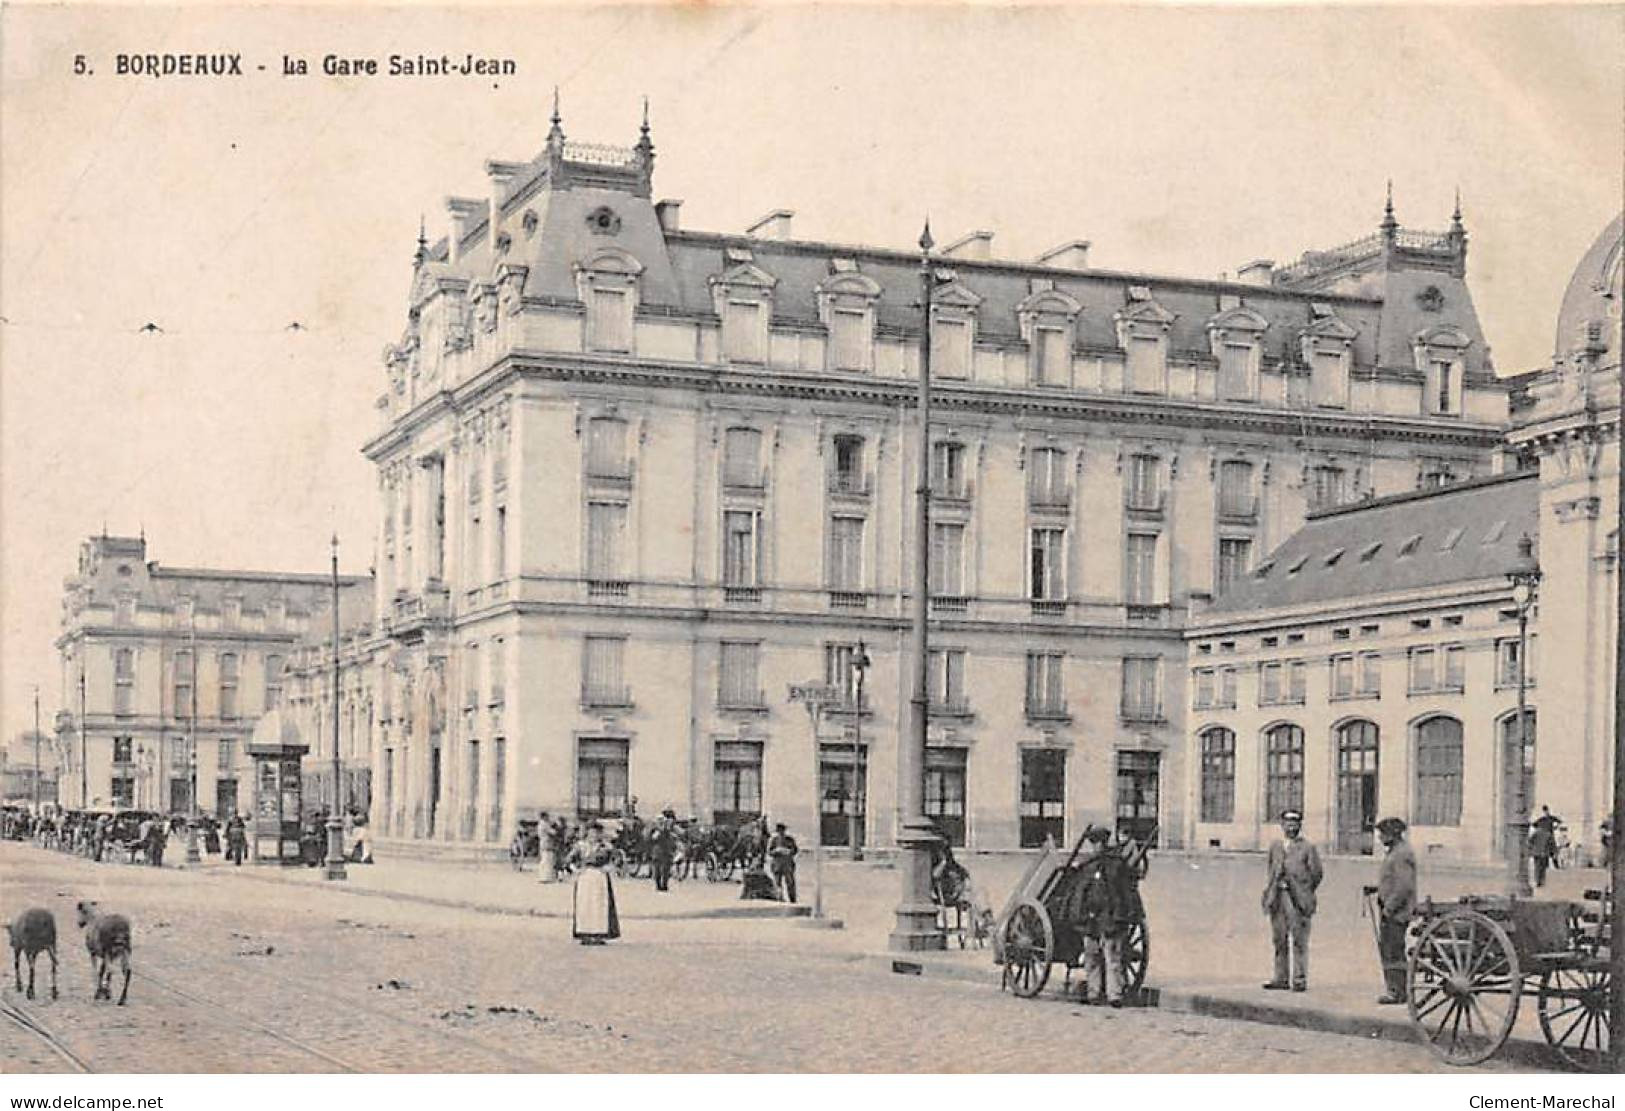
{"x": 592, "y": 911}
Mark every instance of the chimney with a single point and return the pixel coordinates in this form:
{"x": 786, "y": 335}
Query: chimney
{"x": 501, "y": 174}
{"x": 775, "y": 225}
{"x": 978, "y": 245}
{"x": 1073, "y": 255}
{"x": 667, "y": 213}
{"x": 460, "y": 213}
{"x": 1260, "y": 271}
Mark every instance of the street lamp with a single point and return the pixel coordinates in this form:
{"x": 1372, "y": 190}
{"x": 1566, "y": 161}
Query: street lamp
{"x": 860, "y": 665}
{"x": 84, "y": 758}
{"x": 1525, "y": 579}
{"x": 36, "y": 755}
{"x": 335, "y": 823}
{"x": 915, "y": 926}
{"x": 192, "y": 854}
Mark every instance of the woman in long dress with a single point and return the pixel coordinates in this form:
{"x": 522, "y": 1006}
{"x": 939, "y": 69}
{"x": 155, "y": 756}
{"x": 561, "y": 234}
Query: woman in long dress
{"x": 593, "y": 920}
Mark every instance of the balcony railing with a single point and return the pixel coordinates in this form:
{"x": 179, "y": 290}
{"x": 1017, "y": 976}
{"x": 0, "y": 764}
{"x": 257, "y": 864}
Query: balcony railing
{"x": 848, "y": 600}
{"x": 1146, "y": 614}
{"x": 607, "y": 588}
{"x": 950, "y": 603}
{"x": 755, "y": 701}
{"x": 1238, "y": 509}
{"x": 1140, "y": 711}
{"x": 742, "y": 595}
{"x": 953, "y": 706}
{"x": 601, "y": 697}
{"x": 742, "y": 478}
{"x": 950, "y": 492}
{"x": 849, "y": 485}
{"x": 1048, "y": 607}
{"x": 1055, "y": 498}
{"x": 1047, "y": 709}
{"x": 1145, "y": 501}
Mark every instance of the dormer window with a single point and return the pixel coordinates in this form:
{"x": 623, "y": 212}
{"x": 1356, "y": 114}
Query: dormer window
{"x": 1234, "y": 337}
{"x": 1328, "y": 380}
{"x": 1235, "y": 372}
{"x": 1441, "y": 356}
{"x": 744, "y": 332}
{"x": 742, "y": 297}
{"x": 1049, "y": 325}
{"x": 1145, "y": 366}
{"x": 1328, "y": 351}
{"x": 950, "y": 348}
{"x": 1052, "y": 356}
{"x": 607, "y": 283}
{"x": 849, "y": 340}
{"x": 609, "y": 320}
{"x": 1142, "y": 333}
{"x": 846, "y": 302}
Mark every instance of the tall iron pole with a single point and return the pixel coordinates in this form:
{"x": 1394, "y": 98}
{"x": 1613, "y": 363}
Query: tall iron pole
{"x": 335, "y": 822}
{"x": 915, "y": 927}
{"x": 36, "y": 753}
{"x": 1616, "y": 948}
{"x": 84, "y": 766}
{"x": 860, "y": 786}
{"x": 192, "y": 855}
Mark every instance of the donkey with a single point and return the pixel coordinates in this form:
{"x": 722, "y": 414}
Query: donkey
{"x": 32, "y": 932}
{"x": 107, "y": 937}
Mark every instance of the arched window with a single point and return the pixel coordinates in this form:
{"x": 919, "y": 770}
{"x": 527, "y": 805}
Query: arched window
{"x": 1218, "y": 775}
{"x": 1438, "y": 772}
{"x": 1283, "y": 769}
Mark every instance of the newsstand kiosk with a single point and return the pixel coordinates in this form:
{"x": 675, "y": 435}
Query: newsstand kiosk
{"x": 273, "y": 832}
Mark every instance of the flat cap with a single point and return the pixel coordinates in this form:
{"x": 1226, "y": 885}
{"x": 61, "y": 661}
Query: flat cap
{"x": 1391, "y": 825}
{"x": 1292, "y": 815}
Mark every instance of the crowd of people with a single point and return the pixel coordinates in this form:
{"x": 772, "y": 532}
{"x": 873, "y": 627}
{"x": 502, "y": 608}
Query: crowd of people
{"x": 147, "y": 837}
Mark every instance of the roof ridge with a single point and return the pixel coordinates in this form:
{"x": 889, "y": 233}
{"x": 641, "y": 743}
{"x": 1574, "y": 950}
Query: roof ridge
{"x": 1419, "y": 495}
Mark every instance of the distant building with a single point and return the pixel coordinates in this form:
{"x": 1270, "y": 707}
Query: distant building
{"x": 160, "y": 657}
{"x": 635, "y": 480}
{"x": 21, "y": 762}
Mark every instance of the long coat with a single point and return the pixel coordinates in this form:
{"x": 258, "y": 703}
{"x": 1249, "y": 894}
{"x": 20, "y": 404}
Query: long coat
{"x": 1295, "y": 865}
{"x": 1396, "y": 883}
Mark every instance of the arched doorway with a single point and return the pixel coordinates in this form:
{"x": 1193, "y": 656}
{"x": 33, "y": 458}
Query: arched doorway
{"x": 1517, "y": 775}
{"x": 1356, "y": 786}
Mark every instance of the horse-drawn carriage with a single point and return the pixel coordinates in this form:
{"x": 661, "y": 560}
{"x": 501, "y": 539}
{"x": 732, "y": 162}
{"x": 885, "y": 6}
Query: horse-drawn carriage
{"x": 1472, "y": 961}
{"x": 1039, "y": 926}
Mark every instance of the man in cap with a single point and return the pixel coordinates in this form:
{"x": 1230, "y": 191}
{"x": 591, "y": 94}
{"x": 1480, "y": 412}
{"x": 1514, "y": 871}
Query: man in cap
{"x": 1101, "y": 909}
{"x": 1396, "y": 898}
{"x": 781, "y": 854}
{"x": 1289, "y": 900}
{"x": 663, "y": 848}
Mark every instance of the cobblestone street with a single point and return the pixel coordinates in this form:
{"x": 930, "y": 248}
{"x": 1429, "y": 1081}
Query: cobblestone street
{"x": 234, "y": 975}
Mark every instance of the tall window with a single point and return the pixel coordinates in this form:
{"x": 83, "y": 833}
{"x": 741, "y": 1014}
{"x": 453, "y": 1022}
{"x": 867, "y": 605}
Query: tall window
{"x": 847, "y": 476}
{"x": 950, "y": 349}
{"x": 1047, "y": 581}
{"x": 1297, "y": 679}
{"x": 740, "y": 685}
{"x": 1141, "y": 695}
{"x": 1227, "y": 687}
{"x": 1327, "y": 382}
{"x": 499, "y": 671}
{"x": 1371, "y": 673}
{"x": 1506, "y": 662}
{"x": 845, "y": 553}
{"x": 1145, "y": 482}
{"x": 499, "y": 544}
{"x": 1046, "y": 476}
{"x": 1218, "y": 775}
{"x": 1455, "y": 667}
{"x": 1236, "y": 488}
{"x": 471, "y": 675}
{"x": 124, "y": 681}
{"x": 1202, "y": 680}
{"x": 838, "y": 671}
{"x": 1052, "y": 357}
{"x": 499, "y": 458}
{"x": 1235, "y": 554}
{"x": 742, "y": 457}
{"x": 1329, "y": 488}
{"x": 843, "y": 793}
{"x": 184, "y": 676}
{"x": 123, "y": 750}
{"x": 849, "y": 339}
{"x": 603, "y": 681}
{"x": 1140, "y": 569}
{"x": 1342, "y": 678}
{"x": 743, "y": 332}
{"x": 606, "y": 530}
{"x": 1283, "y": 770}
{"x": 499, "y": 785}
{"x": 1443, "y": 386}
{"x": 948, "y": 559}
{"x": 228, "y": 685}
{"x": 948, "y": 679}
{"x": 611, "y": 322}
{"x": 601, "y": 777}
{"x": 1235, "y": 377}
{"x": 606, "y": 448}
{"x": 1145, "y": 364}
{"x": 1043, "y": 796}
{"x": 1424, "y": 670}
{"x": 1045, "y": 697}
{"x": 945, "y": 791}
{"x": 736, "y": 782}
{"x": 273, "y": 681}
{"x": 948, "y": 469}
{"x": 742, "y": 547}
{"x": 476, "y": 497}
{"x": 1438, "y": 772}
{"x": 1270, "y": 677}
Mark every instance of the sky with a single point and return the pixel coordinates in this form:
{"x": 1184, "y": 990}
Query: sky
{"x": 223, "y": 210}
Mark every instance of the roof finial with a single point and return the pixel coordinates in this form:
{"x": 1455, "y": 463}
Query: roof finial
{"x": 1389, "y": 225}
{"x": 645, "y": 128}
{"x": 1455, "y": 217}
{"x": 555, "y": 133}
{"x": 422, "y": 253}
{"x": 926, "y": 242}
{"x": 556, "y": 120}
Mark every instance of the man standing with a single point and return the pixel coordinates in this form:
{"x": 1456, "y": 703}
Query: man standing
{"x": 1396, "y": 899}
{"x": 663, "y": 849}
{"x": 1101, "y": 911}
{"x": 1289, "y": 900}
{"x": 781, "y": 851}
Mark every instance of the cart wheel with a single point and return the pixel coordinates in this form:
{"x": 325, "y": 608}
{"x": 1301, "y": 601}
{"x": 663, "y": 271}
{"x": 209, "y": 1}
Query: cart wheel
{"x": 1029, "y": 944}
{"x": 1574, "y": 1015}
{"x": 1136, "y": 956}
{"x": 713, "y": 867}
{"x": 1464, "y": 985}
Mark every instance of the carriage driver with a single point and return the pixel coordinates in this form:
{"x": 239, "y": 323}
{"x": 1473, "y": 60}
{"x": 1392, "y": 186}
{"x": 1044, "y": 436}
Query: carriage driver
{"x": 1396, "y": 899}
{"x": 1102, "y": 911}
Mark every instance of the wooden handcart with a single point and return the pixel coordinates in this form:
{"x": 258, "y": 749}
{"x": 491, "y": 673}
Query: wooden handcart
{"x": 1034, "y": 931}
{"x": 1472, "y": 961}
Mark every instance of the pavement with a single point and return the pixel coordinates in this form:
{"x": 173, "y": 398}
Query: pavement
{"x": 239, "y": 974}
{"x": 1209, "y": 941}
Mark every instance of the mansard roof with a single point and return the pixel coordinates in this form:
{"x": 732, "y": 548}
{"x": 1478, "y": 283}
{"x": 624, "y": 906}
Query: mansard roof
{"x": 1455, "y": 535}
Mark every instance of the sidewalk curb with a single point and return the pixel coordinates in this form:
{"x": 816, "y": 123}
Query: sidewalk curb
{"x": 767, "y": 911}
{"x": 1519, "y": 1051}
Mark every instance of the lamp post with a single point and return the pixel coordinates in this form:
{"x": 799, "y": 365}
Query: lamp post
{"x": 915, "y": 926}
{"x": 1525, "y": 579}
{"x": 192, "y": 854}
{"x": 36, "y": 754}
{"x": 84, "y": 767}
{"x": 860, "y": 665}
{"x": 335, "y": 823}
